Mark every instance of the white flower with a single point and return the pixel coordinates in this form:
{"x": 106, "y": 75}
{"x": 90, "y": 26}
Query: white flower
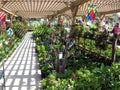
{"x": 0, "y": 44}
{"x": 3, "y": 40}
{"x": 6, "y": 42}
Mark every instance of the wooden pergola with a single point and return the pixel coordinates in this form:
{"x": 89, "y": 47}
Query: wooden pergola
{"x": 45, "y": 8}
{"x": 51, "y": 8}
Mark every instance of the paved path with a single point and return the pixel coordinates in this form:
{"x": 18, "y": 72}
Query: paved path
{"x": 22, "y": 69}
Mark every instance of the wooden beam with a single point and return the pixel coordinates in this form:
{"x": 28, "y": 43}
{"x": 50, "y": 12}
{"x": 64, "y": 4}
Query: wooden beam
{"x": 73, "y": 4}
{"x": 105, "y": 12}
{"x": 101, "y": 16}
{"x": 78, "y": 2}
{"x": 8, "y": 11}
{"x": 109, "y": 12}
{"x": 74, "y": 11}
{"x": 3, "y": 3}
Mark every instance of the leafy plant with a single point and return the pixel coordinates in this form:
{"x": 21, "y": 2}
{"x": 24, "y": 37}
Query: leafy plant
{"x": 19, "y": 28}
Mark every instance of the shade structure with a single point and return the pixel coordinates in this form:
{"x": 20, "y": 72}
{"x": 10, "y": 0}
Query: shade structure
{"x": 103, "y": 7}
{"x": 34, "y": 8}
{"x": 44, "y": 8}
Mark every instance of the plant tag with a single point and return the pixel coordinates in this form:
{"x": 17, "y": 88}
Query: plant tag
{"x": 60, "y": 55}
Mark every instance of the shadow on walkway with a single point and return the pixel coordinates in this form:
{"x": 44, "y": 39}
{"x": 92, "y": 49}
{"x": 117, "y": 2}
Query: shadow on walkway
{"x": 22, "y": 69}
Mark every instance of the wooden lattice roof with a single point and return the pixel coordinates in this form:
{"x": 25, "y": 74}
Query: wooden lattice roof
{"x": 44, "y": 8}
{"x": 103, "y": 6}
{"x": 34, "y": 8}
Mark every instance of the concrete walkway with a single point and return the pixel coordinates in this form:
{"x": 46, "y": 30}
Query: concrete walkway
{"x": 22, "y": 69}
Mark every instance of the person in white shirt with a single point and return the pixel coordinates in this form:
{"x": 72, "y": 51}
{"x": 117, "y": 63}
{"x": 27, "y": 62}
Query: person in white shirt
{"x": 106, "y": 27}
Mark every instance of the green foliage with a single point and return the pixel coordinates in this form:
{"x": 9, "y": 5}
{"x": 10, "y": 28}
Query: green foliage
{"x": 43, "y": 31}
{"x": 6, "y": 44}
{"x": 81, "y": 73}
{"x": 3, "y": 41}
{"x": 90, "y": 31}
{"x": 48, "y": 43}
{"x": 42, "y": 36}
{"x": 105, "y": 51}
{"x": 101, "y": 40}
{"x": 85, "y": 78}
{"x": 84, "y": 31}
{"x": 19, "y": 29}
{"x": 76, "y": 30}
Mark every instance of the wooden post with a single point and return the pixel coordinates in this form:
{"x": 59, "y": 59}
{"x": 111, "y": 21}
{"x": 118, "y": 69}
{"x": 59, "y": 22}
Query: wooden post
{"x": 114, "y": 43}
{"x": 45, "y": 20}
{"x": 60, "y": 63}
{"x": 49, "y": 18}
{"x": 102, "y": 17}
{"x": 59, "y": 18}
{"x": 84, "y": 47}
{"x": 74, "y": 12}
{"x": 57, "y": 62}
{"x": 11, "y": 19}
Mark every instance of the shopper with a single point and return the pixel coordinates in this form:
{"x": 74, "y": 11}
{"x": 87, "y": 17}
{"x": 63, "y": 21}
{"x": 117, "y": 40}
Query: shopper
{"x": 116, "y": 30}
{"x": 106, "y": 27}
{"x": 9, "y": 31}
